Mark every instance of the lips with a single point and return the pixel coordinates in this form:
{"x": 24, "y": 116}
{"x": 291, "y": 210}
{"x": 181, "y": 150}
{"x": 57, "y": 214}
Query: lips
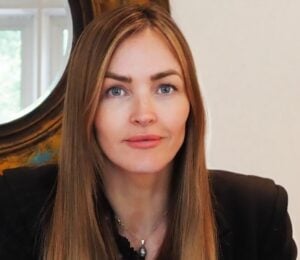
{"x": 144, "y": 141}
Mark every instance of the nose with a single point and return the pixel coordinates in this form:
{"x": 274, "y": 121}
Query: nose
{"x": 143, "y": 112}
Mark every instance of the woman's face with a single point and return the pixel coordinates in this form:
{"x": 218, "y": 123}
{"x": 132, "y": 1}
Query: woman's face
{"x": 142, "y": 113}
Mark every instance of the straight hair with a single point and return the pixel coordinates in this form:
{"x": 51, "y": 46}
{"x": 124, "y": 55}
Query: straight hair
{"x": 80, "y": 226}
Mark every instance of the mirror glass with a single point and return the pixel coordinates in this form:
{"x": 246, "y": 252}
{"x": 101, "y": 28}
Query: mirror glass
{"x": 35, "y": 43}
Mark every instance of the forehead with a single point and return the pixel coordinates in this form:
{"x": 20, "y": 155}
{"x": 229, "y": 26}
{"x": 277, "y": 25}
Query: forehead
{"x": 147, "y": 51}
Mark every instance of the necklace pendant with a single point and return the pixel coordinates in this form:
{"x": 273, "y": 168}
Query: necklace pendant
{"x": 142, "y": 251}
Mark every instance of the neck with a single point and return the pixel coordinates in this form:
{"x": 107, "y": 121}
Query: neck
{"x": 139, "y": 199}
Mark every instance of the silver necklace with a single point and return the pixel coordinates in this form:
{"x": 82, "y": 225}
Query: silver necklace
{"x": 142, "y": 251}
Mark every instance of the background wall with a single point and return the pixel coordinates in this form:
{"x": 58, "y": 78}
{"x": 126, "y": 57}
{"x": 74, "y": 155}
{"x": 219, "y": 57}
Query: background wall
{"x": 248, "y": 61}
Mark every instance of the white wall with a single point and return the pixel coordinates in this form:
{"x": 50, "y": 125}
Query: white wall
{"x": 248, "y": 61}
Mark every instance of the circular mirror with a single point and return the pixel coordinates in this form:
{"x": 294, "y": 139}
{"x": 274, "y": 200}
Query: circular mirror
{"x": 35, "y": 43}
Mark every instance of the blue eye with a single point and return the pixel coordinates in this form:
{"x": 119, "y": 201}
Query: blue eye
{"x": 166, "y": 89}
{"x": 115, "y": 92}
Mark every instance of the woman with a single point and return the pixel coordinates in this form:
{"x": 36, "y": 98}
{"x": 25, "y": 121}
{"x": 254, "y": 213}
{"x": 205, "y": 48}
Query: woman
{"x": 132, "y": 181}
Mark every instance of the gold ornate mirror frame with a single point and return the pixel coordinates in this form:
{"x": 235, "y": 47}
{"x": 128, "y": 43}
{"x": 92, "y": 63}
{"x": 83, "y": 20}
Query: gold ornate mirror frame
{"x": 34, "y": 139}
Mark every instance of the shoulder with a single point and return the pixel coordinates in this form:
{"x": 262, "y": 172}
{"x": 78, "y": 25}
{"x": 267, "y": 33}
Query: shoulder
{"x": 24, "y": 192}
{"x": 254, "y": 210}
{"x": 255, "y": 198}
{"x": 42, "y": 174}
{"x": 246, "y": 189}
{"x": 28, "y": 185}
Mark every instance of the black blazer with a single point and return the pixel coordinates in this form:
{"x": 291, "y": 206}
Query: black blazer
{"x": 251, "y": 213}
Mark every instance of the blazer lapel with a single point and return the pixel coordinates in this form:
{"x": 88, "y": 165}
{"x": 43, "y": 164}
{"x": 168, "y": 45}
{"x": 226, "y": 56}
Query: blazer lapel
{"x": 225, "y": 236}
{"x": 224, "y": 227}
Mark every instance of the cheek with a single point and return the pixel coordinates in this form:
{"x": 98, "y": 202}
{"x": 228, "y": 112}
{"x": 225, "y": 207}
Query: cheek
{"x": 109, "y": 120}
{"x": 105, "y": 122}
{"x": 176, "y": 116}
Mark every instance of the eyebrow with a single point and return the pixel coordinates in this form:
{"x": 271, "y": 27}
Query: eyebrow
{"x": 157, "y": 76}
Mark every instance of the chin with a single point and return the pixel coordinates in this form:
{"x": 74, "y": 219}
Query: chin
{"x": 151, "y": 168}
{"x": 142, "y": 165}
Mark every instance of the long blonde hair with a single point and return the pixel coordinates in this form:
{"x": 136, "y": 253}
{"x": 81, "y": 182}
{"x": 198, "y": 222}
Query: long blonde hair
{"x": 79, "y": 227}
